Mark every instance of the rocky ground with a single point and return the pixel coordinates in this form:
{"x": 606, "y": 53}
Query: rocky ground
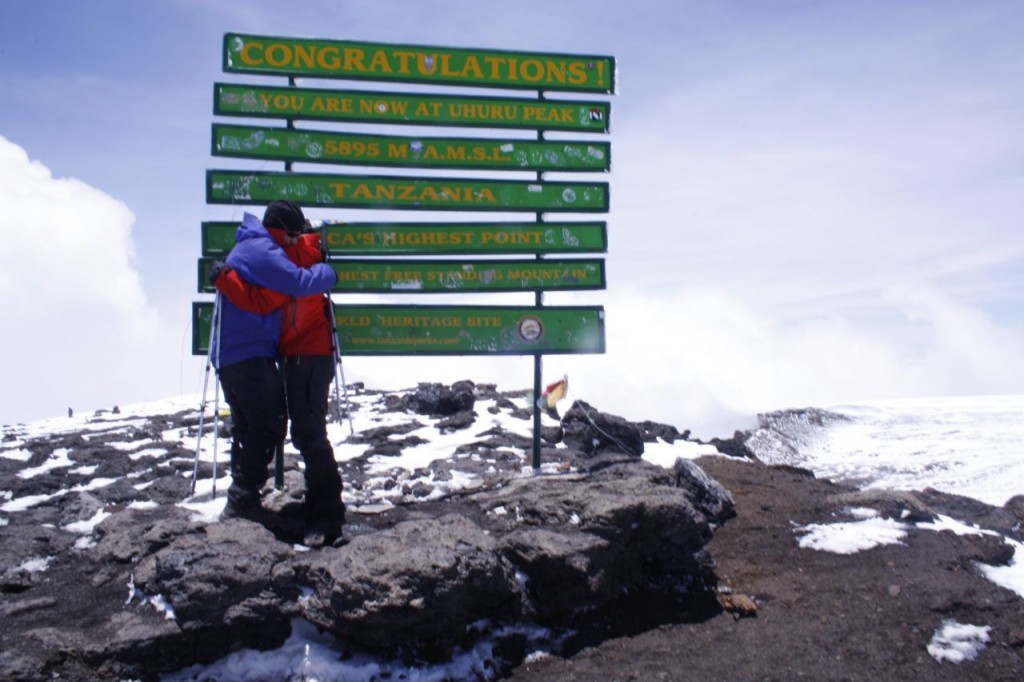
{"x": 644, "y": 573}
{"x": 820, "y": 615}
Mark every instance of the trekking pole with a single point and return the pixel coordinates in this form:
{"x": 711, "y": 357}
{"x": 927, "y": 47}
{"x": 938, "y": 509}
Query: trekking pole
{"x": 218, "y": 310}
{"x": 339, "y": 366}
{"x": 216, "y": 428}
{"x": 199, "y": 436}
{"x": 214, "y": 339}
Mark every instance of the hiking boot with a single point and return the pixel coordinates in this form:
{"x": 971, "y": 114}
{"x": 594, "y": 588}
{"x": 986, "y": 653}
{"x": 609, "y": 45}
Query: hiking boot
{"x": 242, "y": 494}
{"x": 257, "y": 514}
{"x": 324, "y": 533}
{"x": 249, "y": 512}
{"x": 324, "y": 522}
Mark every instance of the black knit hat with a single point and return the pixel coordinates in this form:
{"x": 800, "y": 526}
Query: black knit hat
{"x": 286, "y": 215}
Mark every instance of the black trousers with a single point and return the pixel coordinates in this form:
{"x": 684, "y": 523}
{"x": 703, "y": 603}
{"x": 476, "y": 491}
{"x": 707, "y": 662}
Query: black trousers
{"x": 254, "y": 391}
{"x": 308, "y": 381}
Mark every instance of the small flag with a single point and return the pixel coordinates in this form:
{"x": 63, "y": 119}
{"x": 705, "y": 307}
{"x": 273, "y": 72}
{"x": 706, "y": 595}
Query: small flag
{"x": 556, "y": 391}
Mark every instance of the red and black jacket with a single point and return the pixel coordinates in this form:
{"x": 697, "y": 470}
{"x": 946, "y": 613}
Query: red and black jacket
{"x": 305, "y": 321}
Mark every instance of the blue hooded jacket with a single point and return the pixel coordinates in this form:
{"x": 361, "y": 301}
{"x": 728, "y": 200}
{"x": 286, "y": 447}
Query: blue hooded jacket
{"x": 259, "y": 260}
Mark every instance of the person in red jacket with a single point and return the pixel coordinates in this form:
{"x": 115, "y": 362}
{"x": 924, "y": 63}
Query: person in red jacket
{"x": 308, "y": 357}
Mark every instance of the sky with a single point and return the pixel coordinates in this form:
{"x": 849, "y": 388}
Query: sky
{"x": 811, "y": 202}
{"x": 930, "y": 460}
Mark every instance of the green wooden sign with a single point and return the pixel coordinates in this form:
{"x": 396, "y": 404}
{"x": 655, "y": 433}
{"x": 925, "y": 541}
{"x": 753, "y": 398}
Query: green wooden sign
{"x": 356, "y": 106}
{"x": 450, "y": 330}
{"x": 202, "y": 322}
{"x": 440, "y": 239}
{"x": 289, "y": 144}
{"x": 217, "y": 238}
{"x": 417, "y": 64}
{"x": 412, "y": 193}
{"x": 454, "y": 276}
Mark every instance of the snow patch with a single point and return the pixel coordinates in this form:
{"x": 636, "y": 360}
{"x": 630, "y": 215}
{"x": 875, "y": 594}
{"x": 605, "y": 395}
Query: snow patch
{"x": 148, "y": 452}
{"x": 87, "y": 526}
{"x": 19, "y": 454}
{"x": 948, "y": 523}
{"x": 29, "y": 501}
{"x": 665, "y": 454}
{"x": 157, "y": 601}
{"x": 58, "y": 459}
{"x": 1010, "y": 576}
{"x": 956, "y": 642}
{"x": 852, "y": 537}
{"x": 36, "y": 564}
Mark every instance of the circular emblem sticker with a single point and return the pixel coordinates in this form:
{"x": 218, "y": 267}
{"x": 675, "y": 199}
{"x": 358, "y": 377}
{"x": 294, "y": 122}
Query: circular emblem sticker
{"x": 530, "y": 329}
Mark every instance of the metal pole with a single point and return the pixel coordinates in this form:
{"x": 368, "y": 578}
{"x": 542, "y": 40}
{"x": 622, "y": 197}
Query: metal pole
{"x": 216, "y": 430}
{"x": 212, "y": 347}
{"x": 279, "y": 448}
{"x": 199, "y": 436}
{"x": 536, "y": 411}
{"x": 339, "y": 366}
{"x": 538, "y": 359}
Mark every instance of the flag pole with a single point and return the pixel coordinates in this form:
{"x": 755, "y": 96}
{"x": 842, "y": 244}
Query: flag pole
{"x": 538, "y": 359}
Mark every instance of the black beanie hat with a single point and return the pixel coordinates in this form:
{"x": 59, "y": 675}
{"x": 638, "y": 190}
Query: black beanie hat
{"x": 285, "y": 214}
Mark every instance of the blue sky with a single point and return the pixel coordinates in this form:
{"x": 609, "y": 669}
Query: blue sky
{"x": 811, "y": 202}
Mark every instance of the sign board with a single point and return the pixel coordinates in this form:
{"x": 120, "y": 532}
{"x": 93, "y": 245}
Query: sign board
{"x": 314, "y": 146}
{"x": 361, "y": 250}
{"x": 354, "y": 106}
{"x": 451, "y": 330}
{"x": 453, "y": 276}
{"x": 351, "y": 60}
{"x": 413, "y": 193}
{"x": 439, "y": 239}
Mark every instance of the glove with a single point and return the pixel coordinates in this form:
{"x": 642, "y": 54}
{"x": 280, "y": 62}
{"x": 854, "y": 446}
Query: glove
{"x": 217, "y": 268}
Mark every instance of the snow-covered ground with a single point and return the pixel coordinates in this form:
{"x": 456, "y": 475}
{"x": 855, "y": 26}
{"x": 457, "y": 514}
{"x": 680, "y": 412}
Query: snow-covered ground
{"x": 971, "y": 446}
{"x": 968, "y": 446}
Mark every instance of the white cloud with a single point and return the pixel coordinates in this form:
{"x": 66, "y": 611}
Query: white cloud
{"x": 705, "y": 360}
{"x": 77, "y": 325}
{"x": 968, "y": 350}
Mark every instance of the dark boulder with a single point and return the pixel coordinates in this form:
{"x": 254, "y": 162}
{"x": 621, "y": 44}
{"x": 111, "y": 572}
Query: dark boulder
{"x": 417, "y": 585}
{"x": 735, "y": 446}
{"x": 593, "y": 432}
{"x": 438, "y": 400}
{"x": 706, "y": 494}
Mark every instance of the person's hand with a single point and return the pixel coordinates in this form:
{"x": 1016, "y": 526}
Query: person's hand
{"x": 217, "y": 268}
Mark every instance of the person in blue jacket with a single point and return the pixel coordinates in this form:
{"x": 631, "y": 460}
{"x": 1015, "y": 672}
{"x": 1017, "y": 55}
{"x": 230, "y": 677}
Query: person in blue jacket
{"x": 246, "y": 351}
